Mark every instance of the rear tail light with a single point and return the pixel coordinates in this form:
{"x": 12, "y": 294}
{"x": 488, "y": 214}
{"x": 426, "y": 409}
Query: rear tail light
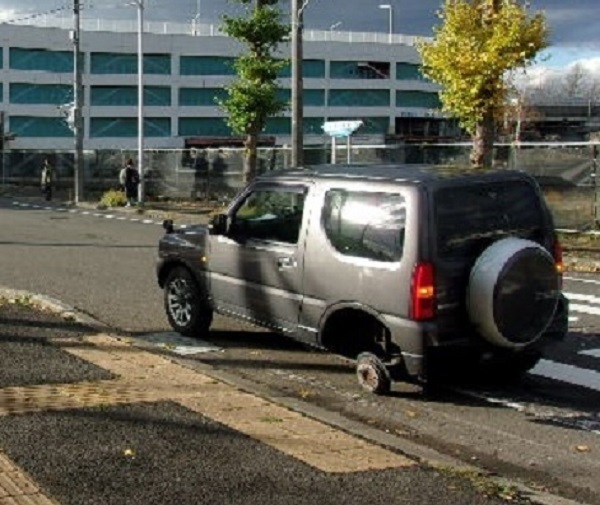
{"x": 558, "y": 257}
{"x": 557, "y": 252}
{"x": 422, "y": 294}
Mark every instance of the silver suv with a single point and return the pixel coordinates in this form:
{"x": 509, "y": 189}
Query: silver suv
{"x": 399, "y": 267}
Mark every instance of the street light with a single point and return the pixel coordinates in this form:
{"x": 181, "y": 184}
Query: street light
{"x": 196, "y": 20}
{"x": 334, "y": 26}
{"x": 77, "y": 101}
{"x": 391, "y": 19}
{"x": 140, "y": 6}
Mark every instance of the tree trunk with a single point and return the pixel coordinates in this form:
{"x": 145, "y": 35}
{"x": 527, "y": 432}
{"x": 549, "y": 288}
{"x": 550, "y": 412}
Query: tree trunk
{"x": 482, "y": 154}
{"x": 250, "y": 158}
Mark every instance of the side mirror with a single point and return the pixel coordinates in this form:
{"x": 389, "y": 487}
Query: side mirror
{"x": 218, "y": 225}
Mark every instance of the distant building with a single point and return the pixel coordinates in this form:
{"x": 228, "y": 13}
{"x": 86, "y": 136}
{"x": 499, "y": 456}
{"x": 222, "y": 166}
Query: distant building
{"x": 347, "y": 75}
{"x": 569, "y": 119}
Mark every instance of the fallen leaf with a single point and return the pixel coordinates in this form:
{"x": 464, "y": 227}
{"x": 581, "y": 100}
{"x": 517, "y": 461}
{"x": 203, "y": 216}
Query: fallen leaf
{"x": 583, "y": 448}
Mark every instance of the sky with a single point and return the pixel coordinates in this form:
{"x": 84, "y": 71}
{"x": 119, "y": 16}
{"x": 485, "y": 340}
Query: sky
{"x": 574, "y": 24}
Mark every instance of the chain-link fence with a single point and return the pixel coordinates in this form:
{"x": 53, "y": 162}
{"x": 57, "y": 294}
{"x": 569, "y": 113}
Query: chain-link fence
{"x": 566, "y": 172}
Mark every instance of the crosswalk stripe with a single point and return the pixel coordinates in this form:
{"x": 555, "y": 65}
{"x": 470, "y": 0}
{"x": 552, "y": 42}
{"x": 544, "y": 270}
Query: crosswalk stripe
{"x": 583, "y": 298}
{"x": 595, "y": 353}
{"x": 567, "y": 373}
{"x": 584, "y": 309}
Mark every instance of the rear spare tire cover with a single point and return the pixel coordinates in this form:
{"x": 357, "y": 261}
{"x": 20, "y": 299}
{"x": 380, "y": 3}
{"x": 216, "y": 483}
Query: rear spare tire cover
{"x": 513, "y": 292}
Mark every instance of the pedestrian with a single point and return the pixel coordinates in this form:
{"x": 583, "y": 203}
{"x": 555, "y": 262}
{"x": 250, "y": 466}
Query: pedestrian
{"x": 131, "y": 181}
{"x": 47, "y": 179}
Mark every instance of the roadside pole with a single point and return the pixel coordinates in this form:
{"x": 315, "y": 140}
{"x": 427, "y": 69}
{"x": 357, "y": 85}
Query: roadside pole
{"x": 77, "y": 100}
{"x": 297, "y": 84}
{"x": 596, "y": 183}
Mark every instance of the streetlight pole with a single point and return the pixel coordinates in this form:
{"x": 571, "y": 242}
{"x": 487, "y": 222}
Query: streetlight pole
{"x": 390, "y": 10}
{"x": 140, "y": 6}
{"x": 297, "y": 86}
{"x": 77, "y": 100}
{"x": 196, "y": 22}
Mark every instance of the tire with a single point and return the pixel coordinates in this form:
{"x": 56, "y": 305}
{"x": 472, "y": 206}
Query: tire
{"x": 513, "y": 293}
{"x": 372, "y": 374}
{"x": 187, "y": 312}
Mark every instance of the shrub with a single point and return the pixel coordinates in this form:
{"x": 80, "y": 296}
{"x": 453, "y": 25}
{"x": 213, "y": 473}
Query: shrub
{"x": 113, "y": 198}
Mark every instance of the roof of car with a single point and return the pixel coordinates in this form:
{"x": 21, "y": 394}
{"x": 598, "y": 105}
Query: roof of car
{"x": 389, "y": 172}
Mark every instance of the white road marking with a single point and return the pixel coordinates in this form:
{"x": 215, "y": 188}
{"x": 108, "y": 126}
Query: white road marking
{"x": 570, "y": 374}
{"x": 584, "y": 309}
{"x": 584, "y": 281}
{"x": 583, "y": 298}
{"x": 595, "y": 353}
{"x": 573, "y": 319}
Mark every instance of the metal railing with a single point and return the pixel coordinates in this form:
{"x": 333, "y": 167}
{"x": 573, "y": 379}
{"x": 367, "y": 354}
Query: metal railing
{"x": 208, "y": 30}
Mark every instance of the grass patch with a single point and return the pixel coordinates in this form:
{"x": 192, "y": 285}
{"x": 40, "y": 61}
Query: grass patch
{"x": 487, "y": 485}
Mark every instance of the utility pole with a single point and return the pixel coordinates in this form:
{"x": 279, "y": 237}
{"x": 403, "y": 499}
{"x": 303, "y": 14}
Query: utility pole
{"x": 77, "y": 101}
{"x": 140, "y": 6}
{"x": 297, "y": 85}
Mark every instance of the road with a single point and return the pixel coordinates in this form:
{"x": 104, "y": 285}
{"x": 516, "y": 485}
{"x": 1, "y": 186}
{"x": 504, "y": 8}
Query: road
{"x": 545, "y": 430}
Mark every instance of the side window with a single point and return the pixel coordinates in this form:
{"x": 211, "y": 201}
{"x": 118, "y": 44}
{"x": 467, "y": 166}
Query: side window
{"x": 271, "y": 214}
{"x": 365, "y": 225}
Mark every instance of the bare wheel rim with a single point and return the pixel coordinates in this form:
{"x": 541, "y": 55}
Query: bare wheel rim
{"x": 368, "y": 376}
{"x": 179, "y": 301}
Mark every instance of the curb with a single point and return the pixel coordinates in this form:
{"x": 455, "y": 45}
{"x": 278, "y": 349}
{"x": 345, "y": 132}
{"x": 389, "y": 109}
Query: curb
{"x": 420, "y": 453}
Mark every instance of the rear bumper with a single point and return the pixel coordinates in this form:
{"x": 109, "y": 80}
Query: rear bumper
{"x": 414, "y": 339}
{"x": 409, "y": 337}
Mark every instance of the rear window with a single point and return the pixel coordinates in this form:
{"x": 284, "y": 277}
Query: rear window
{"x": 468, "y": 216}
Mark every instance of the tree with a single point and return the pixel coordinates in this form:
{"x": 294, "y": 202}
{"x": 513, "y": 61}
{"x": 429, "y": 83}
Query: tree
{"x": 575, "y": 81}
{"x": 478, "y": 42}
{"x": 252, "y": 96}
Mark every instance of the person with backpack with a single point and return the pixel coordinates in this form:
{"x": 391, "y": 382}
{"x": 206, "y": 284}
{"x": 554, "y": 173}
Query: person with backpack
{"x": 130, "y": 180}
{"x": 47, "y": 179}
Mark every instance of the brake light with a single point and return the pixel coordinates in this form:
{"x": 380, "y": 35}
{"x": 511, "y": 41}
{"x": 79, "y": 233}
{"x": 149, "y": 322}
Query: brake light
{"x": 557, "y": 252}
{"x": 422, "y": 299}
{"x": 558, "y": 257}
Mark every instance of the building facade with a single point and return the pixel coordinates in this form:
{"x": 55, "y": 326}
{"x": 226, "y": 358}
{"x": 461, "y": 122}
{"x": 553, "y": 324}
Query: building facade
{"x": 346, "y": 75}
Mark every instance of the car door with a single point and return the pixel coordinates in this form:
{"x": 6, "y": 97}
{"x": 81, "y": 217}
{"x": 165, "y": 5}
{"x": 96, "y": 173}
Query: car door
{"x": 256, "y": 267}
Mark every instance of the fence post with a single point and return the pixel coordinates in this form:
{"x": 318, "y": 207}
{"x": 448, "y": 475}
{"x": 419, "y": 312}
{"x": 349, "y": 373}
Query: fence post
{"x": 596, "y": 184}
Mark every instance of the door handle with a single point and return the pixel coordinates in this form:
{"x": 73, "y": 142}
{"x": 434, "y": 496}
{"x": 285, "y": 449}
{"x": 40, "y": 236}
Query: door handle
{"x": 286, "y": 262}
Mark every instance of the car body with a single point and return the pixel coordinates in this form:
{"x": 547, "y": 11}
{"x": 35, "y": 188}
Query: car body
{"x": 395, "y": 266}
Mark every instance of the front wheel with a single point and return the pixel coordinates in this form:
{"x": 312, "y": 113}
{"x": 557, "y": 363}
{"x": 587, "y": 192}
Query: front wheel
{"x": 187, "y": 313}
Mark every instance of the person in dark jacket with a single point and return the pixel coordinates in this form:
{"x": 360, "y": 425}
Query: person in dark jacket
{"x": 132, "y": 180}
{"x": 47, "y": 179}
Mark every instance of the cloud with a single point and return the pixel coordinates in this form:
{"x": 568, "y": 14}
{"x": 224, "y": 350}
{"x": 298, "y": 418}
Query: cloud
{"x": 573, "y": 23}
